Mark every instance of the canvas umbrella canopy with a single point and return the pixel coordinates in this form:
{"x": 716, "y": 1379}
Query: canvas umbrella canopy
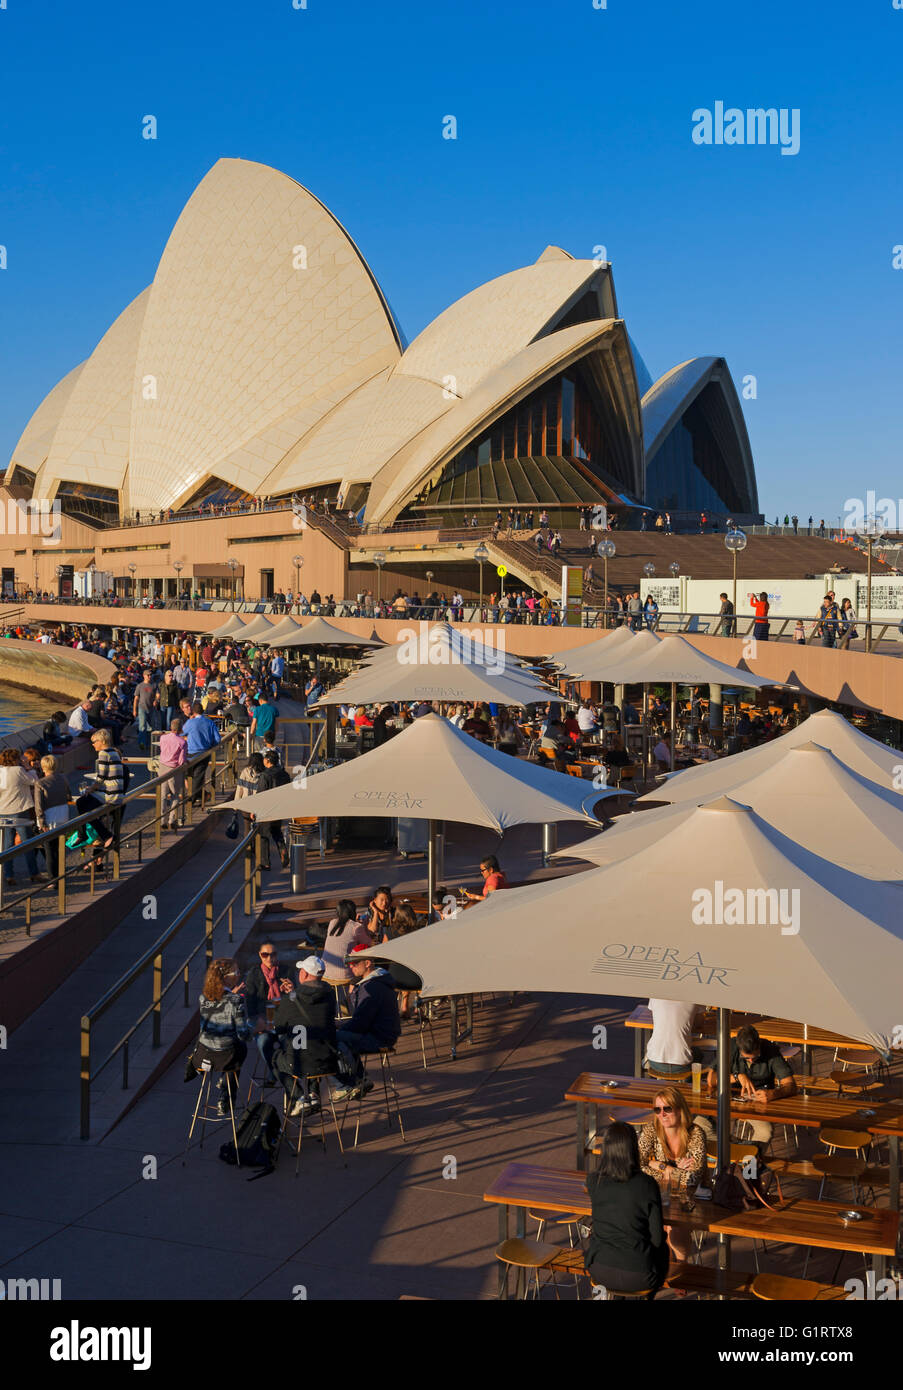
{"x": 233, "y": 628}
{"x": 280, "y": 632}
{"x": 319, "y": 633}
{"x": 827, "y": 728}
{"x": 604, "y": 659}
{"x": 809, "y": 795}
{"x": 256, "y": 629}
{"x": 432, "y": 771}
{"x": 436, "y": 643}
{"x": 676, "y": 925}
{"x": 420, "y": 668}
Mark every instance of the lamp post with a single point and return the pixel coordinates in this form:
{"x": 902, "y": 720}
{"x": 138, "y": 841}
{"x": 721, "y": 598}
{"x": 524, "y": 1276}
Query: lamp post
{"x": 178, "y": 566}
{"x": 481, "y": 555}
{"x": 429, "y": 610}
{"x": 735, "y": 542}
{"x": 606, "y": 550}
{"x": 233, "y": 566}
{"x": 297, "y": 561}
{"x": 131, "y": 569}
{"x": 59, "y": 581}
{"x": 871, "y": 532}
{"x": 379, "y": 560}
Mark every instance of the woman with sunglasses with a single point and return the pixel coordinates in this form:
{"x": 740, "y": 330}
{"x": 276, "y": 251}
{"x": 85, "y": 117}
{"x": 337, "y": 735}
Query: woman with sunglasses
{"x": 672, "y": 1149}
{"x": 627, "y": 1250}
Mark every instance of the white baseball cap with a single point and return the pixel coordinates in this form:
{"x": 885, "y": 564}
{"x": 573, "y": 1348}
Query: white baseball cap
{"x": 311, "y": 965}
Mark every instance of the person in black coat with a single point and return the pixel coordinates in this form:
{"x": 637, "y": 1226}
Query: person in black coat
{"x": 627, "y": 1250}
{"x": 304, "y": 1026}
{"x": 274, "y": 775}
{"x": 373, "y": 1025}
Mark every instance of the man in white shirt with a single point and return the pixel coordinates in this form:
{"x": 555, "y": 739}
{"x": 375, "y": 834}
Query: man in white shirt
{"x": 586, "y": 720}
{"x": 669, "y": 1048}
{"x": 662, "y": 754}
{"x": 79, "y": 723}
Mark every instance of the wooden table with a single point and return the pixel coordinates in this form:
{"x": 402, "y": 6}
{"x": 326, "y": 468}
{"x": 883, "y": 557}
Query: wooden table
{"x": 804, "y": 1222}
{"x": 810, "y": 1112}
{"x": 532, "y": 1187}
{"x": 778, "y": 1030}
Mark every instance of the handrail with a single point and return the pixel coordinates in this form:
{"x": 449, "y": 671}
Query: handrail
{"x": 153, "y": 957}
{"x": 60, "y": 833}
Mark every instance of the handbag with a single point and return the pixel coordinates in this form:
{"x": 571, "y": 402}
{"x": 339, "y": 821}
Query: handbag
{"x": 232, "y": 827}
{"x": 733, "y": 1190}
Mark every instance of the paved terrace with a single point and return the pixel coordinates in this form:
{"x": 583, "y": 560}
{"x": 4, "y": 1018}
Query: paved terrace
{"x": 387, "y": 1224}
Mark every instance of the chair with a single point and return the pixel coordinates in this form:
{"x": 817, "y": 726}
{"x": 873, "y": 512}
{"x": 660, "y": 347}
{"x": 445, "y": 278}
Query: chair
{"x": 783, "y": 1288}
{"x": 288, "y": 1119}
{"x": 574, "y": 770}
{"x": 341, "y": 996}
{"x": 519, "y": 1253}
{"x": 845, "y": 1159}
{"x": 856, "y": 1057}
{"x": 260, "y": 1077}
{"x": 388, "y": 1081}
{"x": 675, "y": 1076}
{"x": 739, "y": 1153}
{"x": 206, "y": 1109}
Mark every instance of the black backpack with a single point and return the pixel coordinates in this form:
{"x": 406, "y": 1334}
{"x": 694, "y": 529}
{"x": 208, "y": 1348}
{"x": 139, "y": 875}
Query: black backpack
{"x": 258, "y": 1135}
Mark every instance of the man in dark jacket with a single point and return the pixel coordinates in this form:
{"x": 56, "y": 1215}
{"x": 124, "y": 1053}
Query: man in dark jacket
{"x": 304, "y": 1025}
{"x": 373, "y": 1025}
{"x": 274, "y": 775}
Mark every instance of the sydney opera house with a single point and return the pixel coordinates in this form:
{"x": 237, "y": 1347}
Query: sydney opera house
{"x": 264, "y": 361}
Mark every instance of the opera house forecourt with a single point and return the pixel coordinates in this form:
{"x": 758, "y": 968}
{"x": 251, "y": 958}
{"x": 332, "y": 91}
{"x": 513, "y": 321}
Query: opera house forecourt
{"x": 264, "y": 362}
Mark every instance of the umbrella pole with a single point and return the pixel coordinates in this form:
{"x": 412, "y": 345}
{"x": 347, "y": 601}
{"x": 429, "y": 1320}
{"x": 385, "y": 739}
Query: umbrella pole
{"x": 431, "y": 870}
{"x": 723, "y": 1149}
{"x": 673, "y": 724}
{"x": 646, "y": 732}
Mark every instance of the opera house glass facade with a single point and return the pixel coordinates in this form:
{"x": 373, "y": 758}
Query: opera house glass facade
{"x": 264, "y": 360}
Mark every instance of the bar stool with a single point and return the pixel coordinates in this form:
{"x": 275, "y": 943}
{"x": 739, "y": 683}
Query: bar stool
{"x": 520, "y": 1253}
{"x": 363, "y": 1089}
{"x": 341, "y": 996}
{"x": 782, "y": 1287}
{"x": 425, "y": 1021}
{"x": 289, "y": 1119}
{"x": 674, "y": 1077}
{"x": 207, "y": 1109}
{"x": 260, "y": 1077}
{"x": 845, "y": 1159}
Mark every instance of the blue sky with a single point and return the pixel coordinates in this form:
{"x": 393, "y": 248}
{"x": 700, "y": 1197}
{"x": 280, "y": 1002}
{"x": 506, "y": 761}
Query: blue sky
{"x": 574, "y": 127}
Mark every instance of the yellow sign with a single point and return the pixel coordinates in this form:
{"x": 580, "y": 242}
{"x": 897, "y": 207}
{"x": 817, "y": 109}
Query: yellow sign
{"x": 502, "y": 571}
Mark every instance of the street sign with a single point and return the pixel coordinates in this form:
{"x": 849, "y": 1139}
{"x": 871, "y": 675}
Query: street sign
{"x": 502, "y": 571}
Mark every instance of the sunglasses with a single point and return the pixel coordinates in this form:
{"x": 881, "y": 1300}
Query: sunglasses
{"x": 268, "y": 953}
{"x": 663, "y": 1109}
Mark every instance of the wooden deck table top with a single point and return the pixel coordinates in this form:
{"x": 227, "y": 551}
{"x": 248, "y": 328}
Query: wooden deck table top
{"x": 561, "y": 1190}
{"x": 778, "y": 1030}
{"x": 812, "y": 1112}
{"x": 805, "y": 1222}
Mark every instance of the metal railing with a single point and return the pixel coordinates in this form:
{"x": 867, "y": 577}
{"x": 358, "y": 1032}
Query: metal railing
{"x": 52, "y": 842}
{"x": 781, "y": 629}
{"x": 251, "y": 848}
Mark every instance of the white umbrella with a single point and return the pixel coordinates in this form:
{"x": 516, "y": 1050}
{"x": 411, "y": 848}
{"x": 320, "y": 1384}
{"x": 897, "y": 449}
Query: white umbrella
{"x": 233, "y": 628}
{"x": 808, "y": 795}
{"x": 604, "y": 659}
{"x": 432, "y": 771}
{"x": 673, "y": 659}
{"x": 828, "y": 729}
{"x": 446, "y": 668}
{"x": 281, "y": 632}
{"x": 727, "y": 910}
{"x": 442, "y": 643}
{"x": 319, "y": 633}
{"x": 256, "y": 629}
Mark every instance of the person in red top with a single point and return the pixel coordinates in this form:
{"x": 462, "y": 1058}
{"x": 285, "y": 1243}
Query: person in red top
{"x": 760, "y": 626}
{"x": 493, "y": 879}
{"x": 362, "y": 719}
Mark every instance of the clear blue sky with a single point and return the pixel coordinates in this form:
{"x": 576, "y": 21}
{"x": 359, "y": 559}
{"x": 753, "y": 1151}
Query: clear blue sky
{"x": 574, "y": 127}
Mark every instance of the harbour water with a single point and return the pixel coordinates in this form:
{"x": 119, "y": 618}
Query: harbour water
{"x": 20, "y": 708}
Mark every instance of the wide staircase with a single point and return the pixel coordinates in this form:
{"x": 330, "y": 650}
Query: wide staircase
{"x": 699, "y": 557}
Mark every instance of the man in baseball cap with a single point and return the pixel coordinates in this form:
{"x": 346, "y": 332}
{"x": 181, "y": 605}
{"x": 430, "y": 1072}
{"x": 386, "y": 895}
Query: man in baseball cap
{"x": 304, "y": 1024}
{"x": 374, "y": 1024}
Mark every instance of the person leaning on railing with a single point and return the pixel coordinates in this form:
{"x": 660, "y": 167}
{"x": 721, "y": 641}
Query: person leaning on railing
{"x": 17, "y": 810}
{"x": 108, "y": 778}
